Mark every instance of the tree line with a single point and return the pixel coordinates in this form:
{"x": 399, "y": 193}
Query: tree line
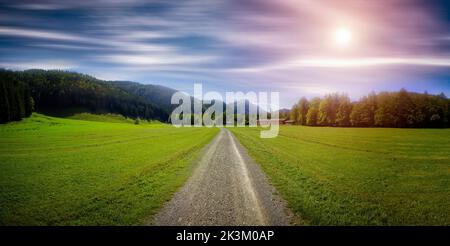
{"x": 384, "y": 109}
{"x": 60, "y": 91}
{"x": 15, "y": 98}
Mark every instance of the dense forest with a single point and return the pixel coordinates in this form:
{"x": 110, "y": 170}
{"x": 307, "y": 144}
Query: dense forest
{"x": 15, "y": 98}
{"x": 60, "y": 91}
{"x": 384, "y": 109}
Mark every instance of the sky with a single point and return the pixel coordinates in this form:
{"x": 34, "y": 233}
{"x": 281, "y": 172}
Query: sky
{"x": 296, "y": 47}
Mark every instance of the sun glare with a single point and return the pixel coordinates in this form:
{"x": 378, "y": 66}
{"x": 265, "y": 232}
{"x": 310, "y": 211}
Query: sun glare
{"x": 342, "y": 37}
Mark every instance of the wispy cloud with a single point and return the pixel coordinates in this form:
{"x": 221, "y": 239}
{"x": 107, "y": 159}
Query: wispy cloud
{"x": 154, "y": 59}
{"x": 62, "y": 36}
{"x": 284, "y": 44}
{"x": 64, "y": 46}
{"x": 43, "y": 64}
{"x": 41, "y": 34}
{"x": 347, "y": 63}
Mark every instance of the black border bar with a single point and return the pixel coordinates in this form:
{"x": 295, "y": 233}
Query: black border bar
{"x": 150, "y": 234}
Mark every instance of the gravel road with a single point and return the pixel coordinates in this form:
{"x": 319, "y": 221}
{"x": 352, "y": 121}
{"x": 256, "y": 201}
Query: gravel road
{"x": 226, "y": 188}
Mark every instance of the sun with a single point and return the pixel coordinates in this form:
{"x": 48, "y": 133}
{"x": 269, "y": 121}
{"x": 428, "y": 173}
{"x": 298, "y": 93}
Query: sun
{"x": 342, "y": 37}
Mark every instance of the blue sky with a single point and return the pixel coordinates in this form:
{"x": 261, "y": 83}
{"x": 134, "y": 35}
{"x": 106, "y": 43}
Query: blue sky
{"x": 295, "y": 47}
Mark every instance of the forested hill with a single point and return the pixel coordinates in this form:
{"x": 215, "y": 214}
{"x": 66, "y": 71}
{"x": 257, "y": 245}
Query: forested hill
{"x": 61, "y": 91}
{"x": 155, "y": 94}
{"x": 15, "y": 97}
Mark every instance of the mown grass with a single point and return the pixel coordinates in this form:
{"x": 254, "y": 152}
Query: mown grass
{"x": 358, "y": 176}
{"x": 72, "y": 172}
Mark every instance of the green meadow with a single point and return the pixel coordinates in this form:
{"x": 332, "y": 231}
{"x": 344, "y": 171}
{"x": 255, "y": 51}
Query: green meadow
{"x": 358, "y": 176}
{"x": 106, "y": 171}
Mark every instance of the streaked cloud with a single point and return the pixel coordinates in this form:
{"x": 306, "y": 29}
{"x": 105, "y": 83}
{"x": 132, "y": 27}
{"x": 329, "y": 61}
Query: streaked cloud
{"x": 347, "y": 63}
{"x": 41, "y": 34}
{"x": 155, "y": 59}
{"x": 61, "y": 36}
{"x": 43, "y": 64}
{"x": 285, "y": 45}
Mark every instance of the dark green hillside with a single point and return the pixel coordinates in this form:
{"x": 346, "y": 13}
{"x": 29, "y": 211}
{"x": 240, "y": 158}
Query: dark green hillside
{"x": 15, "y": 99}
{"x": 155, "y": 94}
{"x": 59, "y": 91}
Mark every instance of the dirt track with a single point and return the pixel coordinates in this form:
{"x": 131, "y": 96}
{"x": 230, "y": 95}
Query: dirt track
{"x": 227, "y": 188}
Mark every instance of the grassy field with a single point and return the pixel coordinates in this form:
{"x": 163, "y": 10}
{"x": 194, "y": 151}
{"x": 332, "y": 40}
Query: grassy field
{"x": 356, "y": 176}
{"x": 58, "y": 171}
{"x": 112, "y": 118}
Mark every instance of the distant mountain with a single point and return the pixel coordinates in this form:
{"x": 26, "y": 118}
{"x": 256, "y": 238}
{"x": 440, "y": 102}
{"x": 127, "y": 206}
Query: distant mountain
{"x": 283, "y": 113}
{"x": 156, "y": 95}
{"x": 246, "y": 105}
{"x": 160, "y": 96}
